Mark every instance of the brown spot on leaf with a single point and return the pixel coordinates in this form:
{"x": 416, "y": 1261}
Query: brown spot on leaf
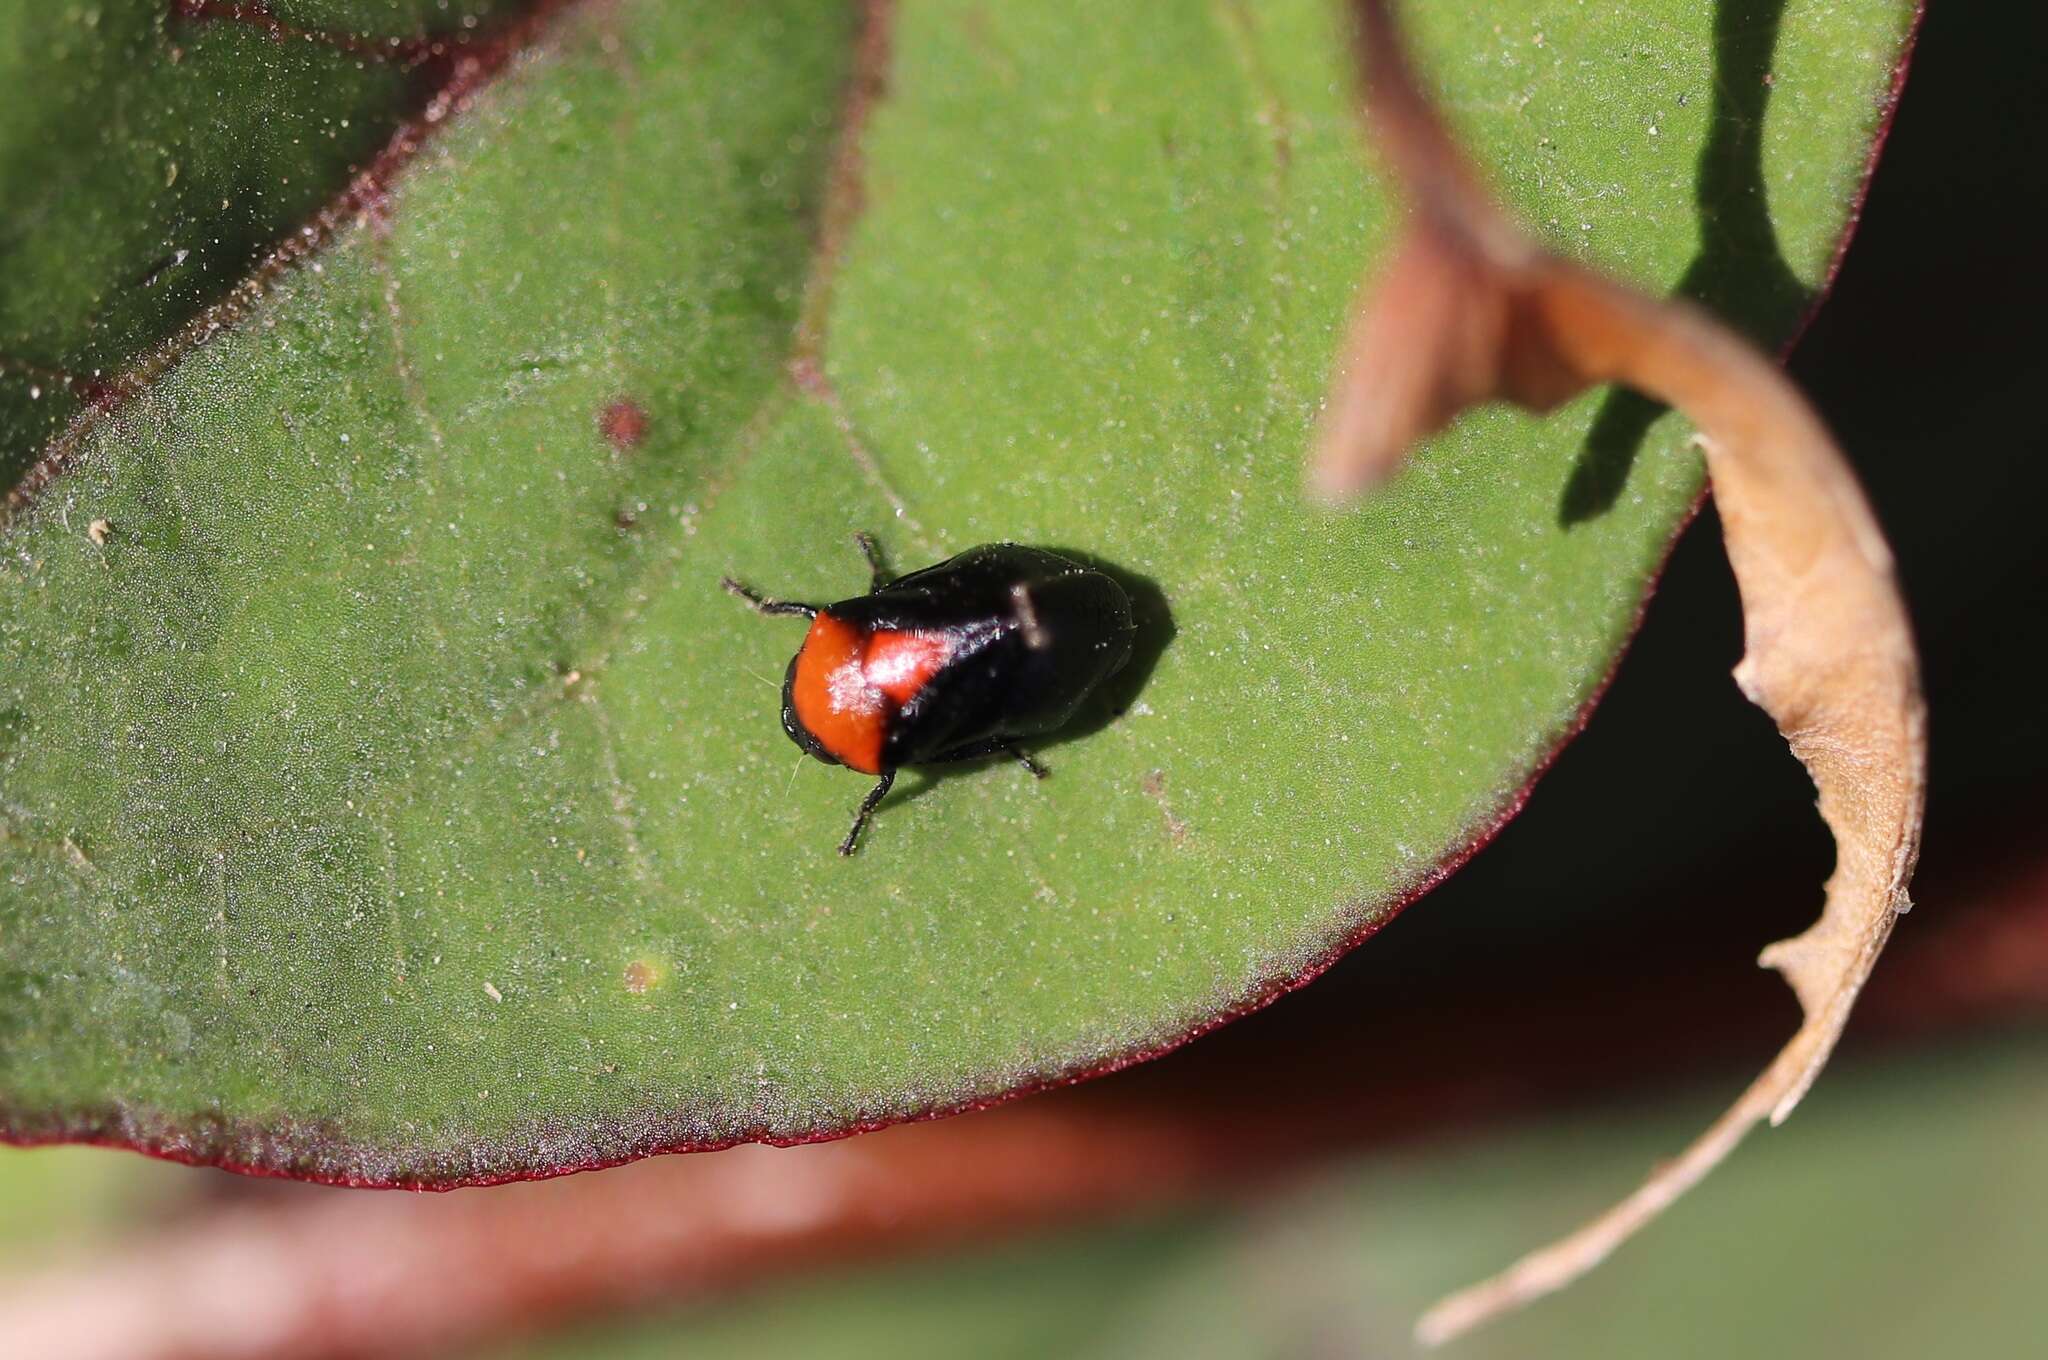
{"x": 642, "y": 976}
{"x": 1155, "y": 788}
{"x": 623, "y": 424}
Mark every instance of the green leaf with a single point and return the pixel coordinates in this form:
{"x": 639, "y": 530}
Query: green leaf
{"x": 393, "y": 796}
{"x": 150, "y": 157}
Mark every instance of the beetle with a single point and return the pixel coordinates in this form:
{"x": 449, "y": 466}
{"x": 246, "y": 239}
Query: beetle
{"x": 960, "y": 660}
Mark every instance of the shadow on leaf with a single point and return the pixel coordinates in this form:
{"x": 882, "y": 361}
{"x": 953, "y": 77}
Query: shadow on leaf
{"x": 1739, "y": 274}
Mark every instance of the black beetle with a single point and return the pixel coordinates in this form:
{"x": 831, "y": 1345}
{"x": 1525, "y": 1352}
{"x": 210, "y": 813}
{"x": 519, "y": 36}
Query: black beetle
{"x": 959, "y": 660}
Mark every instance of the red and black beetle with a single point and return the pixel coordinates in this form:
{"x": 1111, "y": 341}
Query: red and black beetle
{"x": 960, "y": 660}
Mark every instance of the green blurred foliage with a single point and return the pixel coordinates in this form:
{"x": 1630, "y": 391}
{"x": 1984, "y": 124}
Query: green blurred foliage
{"x": 1896, "y": 1216}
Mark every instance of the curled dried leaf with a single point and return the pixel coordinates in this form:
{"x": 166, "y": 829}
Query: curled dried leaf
{"x": 1474, "y": 310}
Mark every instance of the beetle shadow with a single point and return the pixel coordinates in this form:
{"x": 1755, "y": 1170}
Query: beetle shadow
{"x": 1739, "y": 271}
{"x": 1155, "y": 633}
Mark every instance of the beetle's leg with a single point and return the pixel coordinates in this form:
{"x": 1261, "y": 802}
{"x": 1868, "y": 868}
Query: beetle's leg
{"x": 867, "y": 807}
{"x": 872, "y": 551}
{"x": 763, "y": 605}
{"x": 1038, "y": 771}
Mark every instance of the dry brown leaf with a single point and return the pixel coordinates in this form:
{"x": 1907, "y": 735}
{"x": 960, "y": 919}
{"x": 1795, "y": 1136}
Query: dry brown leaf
{"x": 1473, "y": 310}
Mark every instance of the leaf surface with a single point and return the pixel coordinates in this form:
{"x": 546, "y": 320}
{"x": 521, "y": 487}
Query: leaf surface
{"x": 392, "y": 796}
{"x": 152, "y": 152}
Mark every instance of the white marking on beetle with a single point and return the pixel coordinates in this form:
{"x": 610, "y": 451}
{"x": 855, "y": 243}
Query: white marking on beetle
{"x": 1035, "y": 636}
{"x": 850, "y": 691}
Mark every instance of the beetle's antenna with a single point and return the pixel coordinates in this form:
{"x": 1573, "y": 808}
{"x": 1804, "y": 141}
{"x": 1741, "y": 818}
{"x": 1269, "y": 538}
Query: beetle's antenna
{"x": 872, "y": 551}
{"x": 762, "y": 604}
{"x": 762, "y": 678}
{"x": 795, "y": 770}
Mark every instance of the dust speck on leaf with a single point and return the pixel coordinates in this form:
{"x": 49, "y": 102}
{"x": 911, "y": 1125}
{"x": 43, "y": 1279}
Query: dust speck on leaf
{"x": 77, "y": 857}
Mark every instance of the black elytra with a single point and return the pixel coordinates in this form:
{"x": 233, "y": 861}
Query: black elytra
{"x": 960, "y": 660}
